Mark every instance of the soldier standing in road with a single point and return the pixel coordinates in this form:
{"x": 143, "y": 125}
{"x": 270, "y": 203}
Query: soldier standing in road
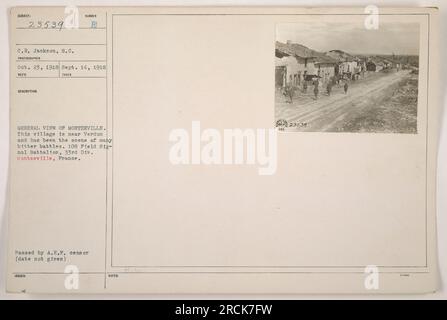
{"x": 316, "y": 90}
{"x": 329, "y": 88}
{"x": 289, "y": 91}
{"x": 346, "y": 86}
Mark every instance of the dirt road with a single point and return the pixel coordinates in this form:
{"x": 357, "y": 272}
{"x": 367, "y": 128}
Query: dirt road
{"x": 330, "y": 113}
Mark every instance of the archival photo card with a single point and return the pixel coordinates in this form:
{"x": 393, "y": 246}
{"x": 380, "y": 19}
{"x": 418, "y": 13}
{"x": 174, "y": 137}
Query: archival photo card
{"x": 162, "y": 150}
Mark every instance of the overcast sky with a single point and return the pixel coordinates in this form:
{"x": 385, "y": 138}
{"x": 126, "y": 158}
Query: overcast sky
{"x": 400, "y": 38}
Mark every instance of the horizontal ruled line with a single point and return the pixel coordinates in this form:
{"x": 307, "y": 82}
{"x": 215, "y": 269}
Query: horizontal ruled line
{"x": 60, "y": 44}
{"x": 31, "y": 60}
{"x": 59, "y": 29}
{"x": 60, "y": 77}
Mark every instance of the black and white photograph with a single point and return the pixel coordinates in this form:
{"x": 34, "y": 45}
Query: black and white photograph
{"x": 343, "y": 77}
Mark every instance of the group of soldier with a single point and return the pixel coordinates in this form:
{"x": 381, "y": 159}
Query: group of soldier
{"x": 329, "y": 87}
{"x": 289, "y": 90}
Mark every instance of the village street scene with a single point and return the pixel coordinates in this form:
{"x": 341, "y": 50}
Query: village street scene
{"x": 338, "y": 90}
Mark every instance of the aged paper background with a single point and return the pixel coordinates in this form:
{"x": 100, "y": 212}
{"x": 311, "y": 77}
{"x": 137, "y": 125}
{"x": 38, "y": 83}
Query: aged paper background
{"x": 259, "y": 100}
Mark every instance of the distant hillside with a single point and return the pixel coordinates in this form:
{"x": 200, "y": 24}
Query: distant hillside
{"x": 412, "y": 60}
{"x": 340, "y": 55}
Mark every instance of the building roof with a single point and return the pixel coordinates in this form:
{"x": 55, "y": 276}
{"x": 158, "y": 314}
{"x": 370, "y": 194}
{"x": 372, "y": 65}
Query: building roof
{"x": 383, "y": 59}
{"x": 325, "y": 59}
{"x": 341, "y": 56}
{"x": 295, "y": 49}
{"x": 376, "y": 62}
